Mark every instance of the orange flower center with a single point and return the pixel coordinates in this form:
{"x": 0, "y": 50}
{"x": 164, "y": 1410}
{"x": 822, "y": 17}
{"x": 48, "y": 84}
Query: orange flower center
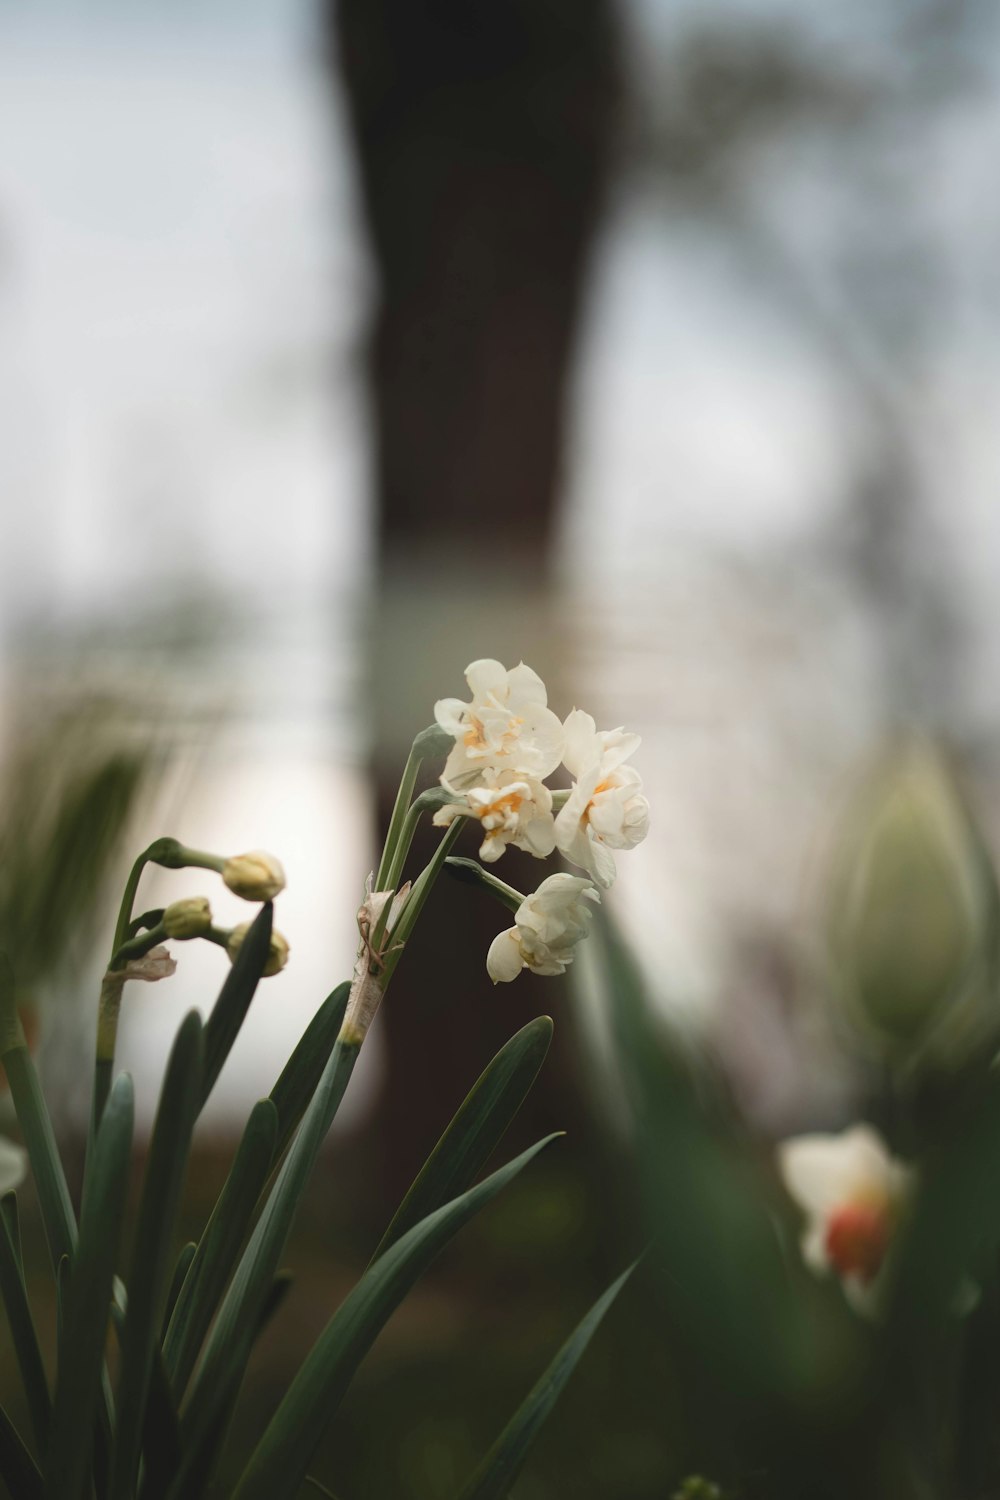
{"x": 857, "y": 1238}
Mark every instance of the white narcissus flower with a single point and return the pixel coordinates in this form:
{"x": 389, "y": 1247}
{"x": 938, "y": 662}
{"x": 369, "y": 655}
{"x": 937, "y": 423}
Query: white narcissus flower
{"x": 547, "y": 926}
{"x": 512, "y": 808}
{"x": 606, "y": 808}
{"x": 13, "y": 1165}
{"x": 508, "y": 726}
{"x": 853, "y": 1193}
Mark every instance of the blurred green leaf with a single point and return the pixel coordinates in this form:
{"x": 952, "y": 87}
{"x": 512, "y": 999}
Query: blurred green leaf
{"x": 303, "y": 1070}
{"x": 17, "y": 1467}
{"x": 501, "y": 1466}
{"x": 165, "y": 1170}
{"x": 281, "y": 1459}
{"x": 36, "y": 1126}
{"x": 219, "y": 1244}
{"x": 238, "y": 990}
{"x": 22, "y": 1327}
{"x": 476, "y": 1130}
{"x": 182, "y": 1267}
{"x": 229, "y": 1344}
{"x": 85, "y": 1319}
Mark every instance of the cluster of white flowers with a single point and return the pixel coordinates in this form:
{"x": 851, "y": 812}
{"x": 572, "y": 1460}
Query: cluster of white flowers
{"x": 507, "y": 740}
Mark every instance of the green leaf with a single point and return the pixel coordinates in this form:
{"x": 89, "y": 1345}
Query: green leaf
{"x": 231, "y": 1339}
{"x": 303, "y": 1070}
{"x": 501, "y": 1466}
{"x": 22, "y": 1327}
{"x": 476, "y": 1129}
{"x": 198, "y": 1455}
{"x": 160, "y": 1428}
{"x": 147, "y": 1283}
{"x": 85, "y": 1319}
{"x": 238, "y": 989}
{"x": 183, "y": 1266}
{"x": 17, "y": 1467}
{"x": 36, "y": 1126}
{"x": 219, "y": 1245}
{"x": 279, "y": 1463}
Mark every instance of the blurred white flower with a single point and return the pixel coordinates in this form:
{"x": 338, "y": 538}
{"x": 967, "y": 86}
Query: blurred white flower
{"x": 256, "y": 876}
{"x": 606, "y": 808}
{"x": 853, "y": 1192}
{"x": 548, "y": 925}
{"x": 513, "y": 809}
{"x": 508, "y": 726}
{"x": 13, "y": 1165}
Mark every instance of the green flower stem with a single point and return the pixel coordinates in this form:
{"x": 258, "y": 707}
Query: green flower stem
{"x": 36, "y": 1128}
{"x": 415, "y": 901}
{"x": 400, "y": 808}
{"x": 128, "y": 901}
{"x": 470, "y": 872}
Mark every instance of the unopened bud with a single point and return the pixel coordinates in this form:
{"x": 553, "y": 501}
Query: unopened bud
{"x": 256, "y": 876}
{"x": 189, "y": 918}
{"x": 277, "y": 952}
{"x": 913, "y": 928}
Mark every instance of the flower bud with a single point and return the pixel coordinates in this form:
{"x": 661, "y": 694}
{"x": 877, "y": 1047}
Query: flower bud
{"x": 189, "y": 918}
{"x": 912, "y": 927}
{"x": 256, "y": 876}
{"x": 277, "y": 953}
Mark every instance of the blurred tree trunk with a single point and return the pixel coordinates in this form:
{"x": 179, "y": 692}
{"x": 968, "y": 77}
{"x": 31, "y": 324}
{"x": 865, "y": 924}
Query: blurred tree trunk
{"x": 483, "y": 134}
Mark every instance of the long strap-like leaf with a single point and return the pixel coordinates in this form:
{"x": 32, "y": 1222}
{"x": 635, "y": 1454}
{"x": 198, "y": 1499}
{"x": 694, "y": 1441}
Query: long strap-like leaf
{"x": 224, "y": 1234}
{"x": 151, "y": 1254}
{"x": 476, "y": 1129}
{"x": 304, "y": 1069}
{"x": 228, "y": 1347}
{"x": 279, "y": 1463}
{"x": 22, "y": 1327}
{"x": 36, "y": 1126}
{"x": 85, "y": 1317}
{"x": 17, "y": 1467}
{"x": 498, "y": 1470}
{"x": 238, "y": 989}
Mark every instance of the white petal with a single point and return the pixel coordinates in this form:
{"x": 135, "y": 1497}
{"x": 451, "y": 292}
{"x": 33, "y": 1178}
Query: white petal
{"x": 817, "y": 1172}
{"x": 448, "y": 714}
{"x": 486, "y": 676}
{"x": 617, "y": 747}
{"x": 504, "y": 961}
{"x": 580, "y": 746}
{"x": 526, "y": 685}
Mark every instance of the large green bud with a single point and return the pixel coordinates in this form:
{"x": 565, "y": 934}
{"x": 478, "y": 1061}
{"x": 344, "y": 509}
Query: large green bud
{"x": 913, "y": 912}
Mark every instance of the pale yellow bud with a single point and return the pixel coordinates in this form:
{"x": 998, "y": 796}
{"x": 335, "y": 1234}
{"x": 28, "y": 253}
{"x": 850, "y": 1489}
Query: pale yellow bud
{"x": 189, "y": 918}
{"x": 278, "y": 949}
{"x": 912, "y": 931}
{"x": 256, "y": 876}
